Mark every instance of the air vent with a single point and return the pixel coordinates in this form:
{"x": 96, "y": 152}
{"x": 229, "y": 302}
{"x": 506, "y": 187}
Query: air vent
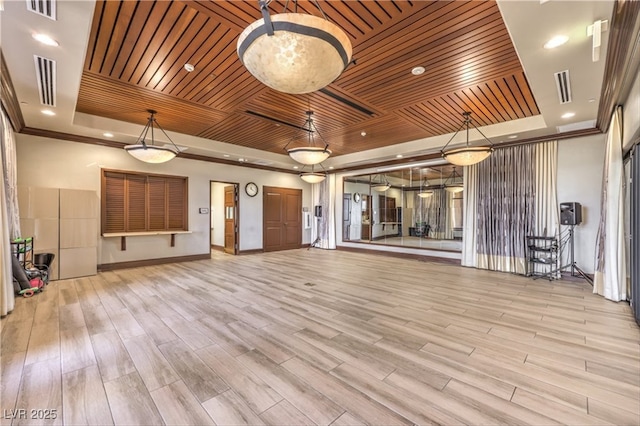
{"x": 46, "y": 76}
{"x": 564, "y": 86}
{"x": 45, "y": 8}
{"x": 275, "y": 120}
{"x": 346, "y": 102}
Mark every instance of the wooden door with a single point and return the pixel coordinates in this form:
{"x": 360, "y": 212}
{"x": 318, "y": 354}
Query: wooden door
{"x": 282, "y": 218}
{"x": 230, "y": 224}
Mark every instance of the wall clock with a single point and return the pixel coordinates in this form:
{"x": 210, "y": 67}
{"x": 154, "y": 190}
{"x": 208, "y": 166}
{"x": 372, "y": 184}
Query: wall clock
{"x": 356, "y": 197}
{"x": 251, "y": 189}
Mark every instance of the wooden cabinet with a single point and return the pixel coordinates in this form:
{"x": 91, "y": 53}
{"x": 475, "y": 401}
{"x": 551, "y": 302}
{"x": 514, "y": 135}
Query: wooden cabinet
{"x": 388, "y": 212}
{"x": 366, "y": 231}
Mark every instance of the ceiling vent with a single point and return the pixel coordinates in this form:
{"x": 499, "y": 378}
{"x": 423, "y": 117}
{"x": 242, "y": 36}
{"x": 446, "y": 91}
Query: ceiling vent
{"x": 45, "y": 8}
{"x": 46, "y": 76}
{"x": 564, "y": 86}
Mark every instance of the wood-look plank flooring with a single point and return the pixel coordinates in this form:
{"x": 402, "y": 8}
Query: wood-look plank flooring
{"x": 318, "y": 337}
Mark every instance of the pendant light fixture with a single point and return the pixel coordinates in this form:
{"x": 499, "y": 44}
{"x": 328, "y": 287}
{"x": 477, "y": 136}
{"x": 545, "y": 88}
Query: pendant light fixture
{"x": 467, "y": 155}
{"x": 381, "y": 186}
{"x": 294, "y": 52}
{"x": 149, "y": 152}
{"x": 453, "y": 183}
{"x": 313, "y": 176}
{"x": 425, "y": 192}
{"x": 309, "y": 154}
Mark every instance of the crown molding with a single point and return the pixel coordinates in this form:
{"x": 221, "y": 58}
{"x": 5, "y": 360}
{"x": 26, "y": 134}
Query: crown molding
{"x": 119, "y": 145}
{"x": 8, "y": 97}
{"x": 623, "y": 60}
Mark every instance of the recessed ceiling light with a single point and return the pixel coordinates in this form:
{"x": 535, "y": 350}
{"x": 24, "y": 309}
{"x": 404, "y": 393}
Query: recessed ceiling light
{"x": 295, "y": 167}
{"x": 189, "y": 67}
{"x": 513, "y": 136}
{"x": 417, "y": 70}
{"x": 48, "y": 112}
{"x": 330, "y": 167}
{"x": 363, "y": 133}
{"x": 226, "y": 155}
{"x": 107, "y": 135}
{"x": 556, "y": 41}
{"x": 399, "y": 156}
{"x": 45, "y": 39}
{"x": 568, "y": 114}
{"x": 242, "y": 160}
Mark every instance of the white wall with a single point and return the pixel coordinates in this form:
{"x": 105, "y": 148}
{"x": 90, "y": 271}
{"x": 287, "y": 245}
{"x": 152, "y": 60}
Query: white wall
{"x": 52, "y": 163}
{"x": 580, "y": 168}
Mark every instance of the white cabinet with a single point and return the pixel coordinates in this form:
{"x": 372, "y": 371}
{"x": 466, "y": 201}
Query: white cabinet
{"x": 63, "y": 222}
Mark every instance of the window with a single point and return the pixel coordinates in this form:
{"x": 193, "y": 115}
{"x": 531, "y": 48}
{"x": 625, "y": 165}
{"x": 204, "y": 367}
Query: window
{"x": 139, "y": 202}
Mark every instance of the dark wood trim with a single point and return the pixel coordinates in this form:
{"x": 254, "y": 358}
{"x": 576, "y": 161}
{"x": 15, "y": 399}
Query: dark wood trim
{"x": 425, "y": 258}
{"x": 623, "y": 59}
{"x": 437, "y": 155}
{"x": 387, "y": 163}
{"x": 119, "y": 145}
{"x": 8, "y": 97}
{"x": 151, "y": 262}
{"x": 217, "y": 248}
{"x": 556, "y": 137}
{"x": 252, "y": 251}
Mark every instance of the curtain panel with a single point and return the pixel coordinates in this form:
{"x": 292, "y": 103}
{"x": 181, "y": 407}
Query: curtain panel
{"x": 508, "y": 197}
{"x": 610, "y": 278}
{"x": 327, "y": 222}
{"x": 435, "y": 211}
{"x": 10, "y": 221}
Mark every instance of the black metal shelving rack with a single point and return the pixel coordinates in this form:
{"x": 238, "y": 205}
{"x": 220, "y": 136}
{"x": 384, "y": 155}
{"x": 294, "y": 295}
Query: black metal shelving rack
{"x": 543, "y": 256}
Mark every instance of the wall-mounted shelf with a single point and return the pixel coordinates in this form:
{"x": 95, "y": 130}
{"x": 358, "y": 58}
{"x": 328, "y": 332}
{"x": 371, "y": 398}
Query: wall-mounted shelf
{"x": 123, "y": 236}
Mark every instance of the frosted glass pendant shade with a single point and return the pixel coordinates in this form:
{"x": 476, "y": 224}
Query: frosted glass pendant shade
{"x": 150, "y": 153}
{"x": 309, "y": 155}
{"x": 304, "y": 54}
{"x": 468, "y": 155}
{"x": 312, "y": 177}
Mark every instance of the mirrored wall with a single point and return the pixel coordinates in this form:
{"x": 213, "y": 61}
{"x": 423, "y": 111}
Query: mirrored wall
{"x": 419, "y": 207}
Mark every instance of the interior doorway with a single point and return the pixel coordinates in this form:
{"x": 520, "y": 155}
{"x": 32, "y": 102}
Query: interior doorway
{"x": 224, "y": 217}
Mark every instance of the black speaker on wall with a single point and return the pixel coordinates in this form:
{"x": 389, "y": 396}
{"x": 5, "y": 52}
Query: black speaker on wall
{"x": 318, "y": 211}
{"x": 570, "y": 213}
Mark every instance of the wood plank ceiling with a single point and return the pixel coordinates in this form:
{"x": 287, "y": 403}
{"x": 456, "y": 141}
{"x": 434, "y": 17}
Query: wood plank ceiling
{"x": 137, "y": 51}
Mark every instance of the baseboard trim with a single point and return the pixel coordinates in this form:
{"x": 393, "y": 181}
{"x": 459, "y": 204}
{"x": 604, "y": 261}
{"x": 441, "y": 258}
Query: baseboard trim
{"x": 253, "y": 251}
{"x": 217, "y": 248}
{"x": 151, "y": 262}
{"x": 401, "y": 255}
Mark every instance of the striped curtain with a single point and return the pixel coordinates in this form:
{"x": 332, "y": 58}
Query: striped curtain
{"x": 435, "y": 211}
{"x": 508, "y": 197}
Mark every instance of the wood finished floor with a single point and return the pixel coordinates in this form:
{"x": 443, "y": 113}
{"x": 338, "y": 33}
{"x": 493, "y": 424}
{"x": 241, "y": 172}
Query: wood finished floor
{"x": 319, "y": 337}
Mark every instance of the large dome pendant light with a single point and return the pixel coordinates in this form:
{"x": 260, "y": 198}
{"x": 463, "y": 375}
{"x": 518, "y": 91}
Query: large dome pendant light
{"x": 467, "y": 155}
{"x": 294, "y": 52}
{"x": 149, "y": 152}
